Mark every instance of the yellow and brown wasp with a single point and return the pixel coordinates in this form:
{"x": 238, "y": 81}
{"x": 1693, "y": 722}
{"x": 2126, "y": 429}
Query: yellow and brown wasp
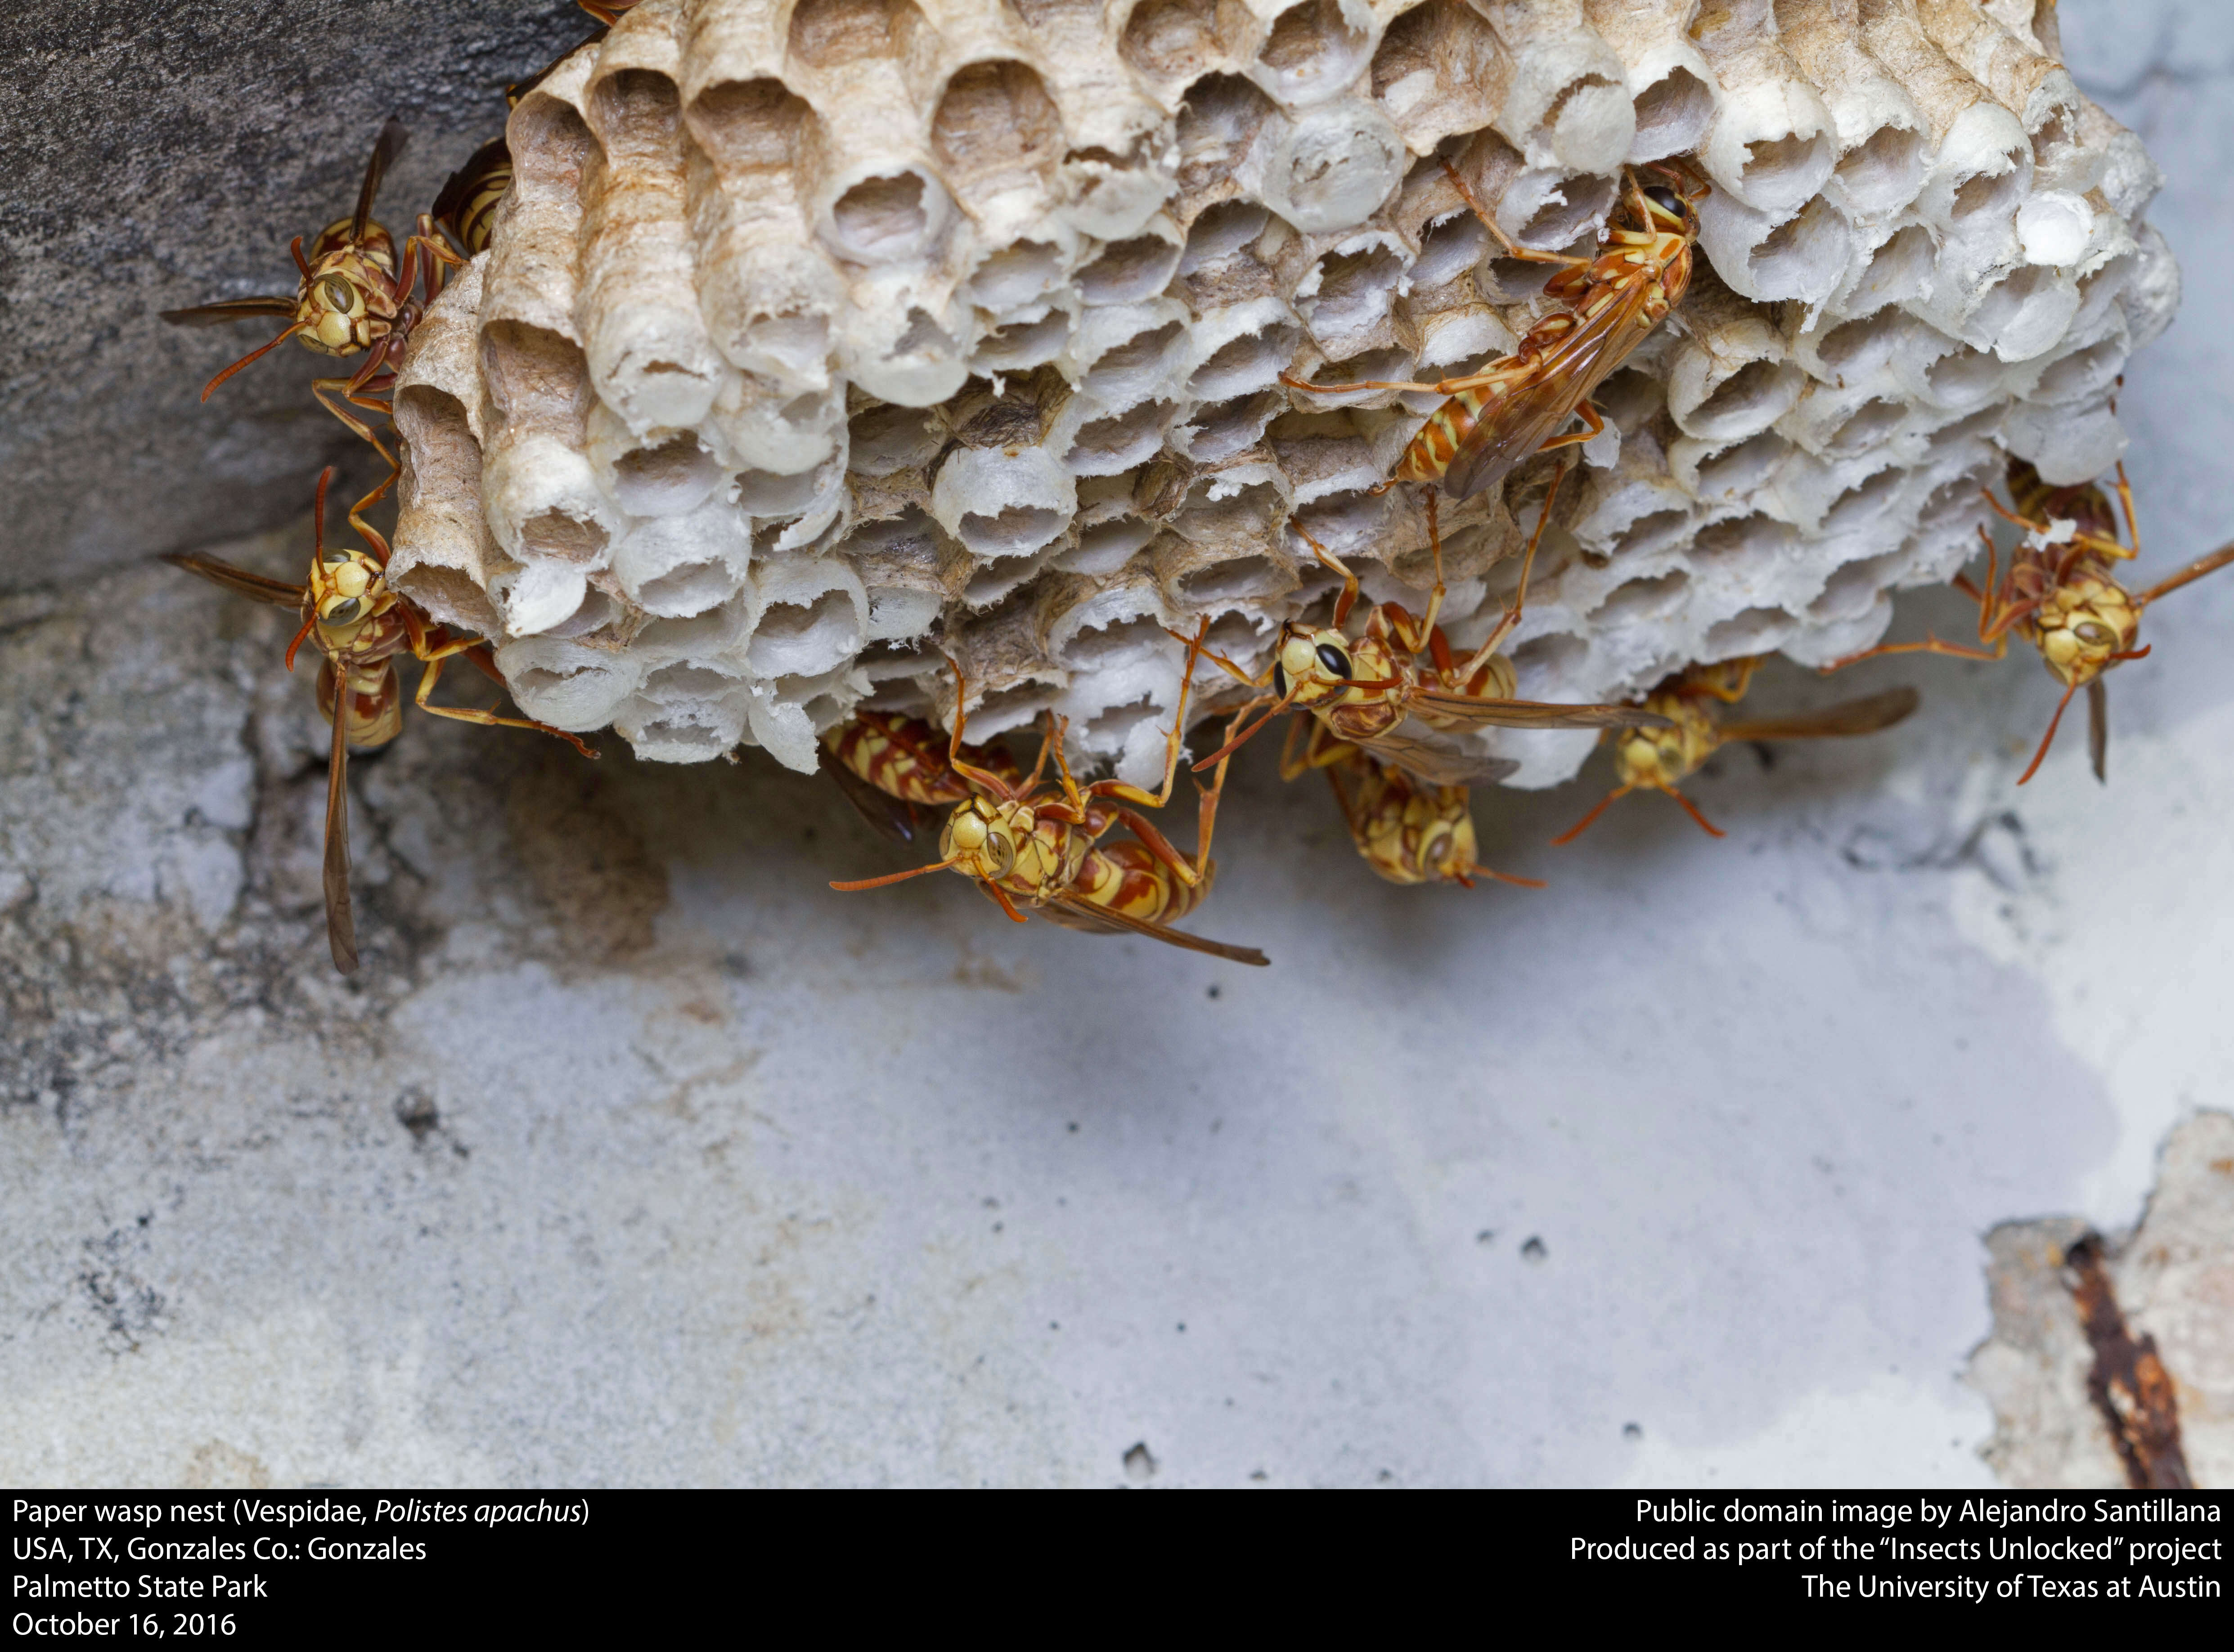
{"x": 1018, "y": 840}
{"x": 895, "y": 770}
{"x": 1661, "y": 760}
{"x": 2061, "y": 596}
{"x": 1522, "y": 404}
{"x": 1365, "y": 690}
{"x": 353, "y": 297}
{"x": 359, "y": 625}
{"x": 1407, "y": 831}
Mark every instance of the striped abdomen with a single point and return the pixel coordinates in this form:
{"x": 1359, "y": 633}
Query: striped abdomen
{"x": 466, "y": 207}
{"x": 1429, "y": 455}
{"x": 375, "y": 714}
{"x": 905, "y": 757}
{"x": 2082, "y": 503}
{"x": 1126, "y": 877}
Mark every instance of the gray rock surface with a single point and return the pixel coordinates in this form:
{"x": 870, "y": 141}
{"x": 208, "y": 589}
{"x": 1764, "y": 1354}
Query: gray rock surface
{"x": 163, "y": 153}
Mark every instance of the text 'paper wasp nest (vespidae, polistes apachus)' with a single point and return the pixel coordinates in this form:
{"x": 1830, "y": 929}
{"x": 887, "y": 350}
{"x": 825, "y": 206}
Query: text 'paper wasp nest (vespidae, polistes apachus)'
{"x": 820, "y": 340}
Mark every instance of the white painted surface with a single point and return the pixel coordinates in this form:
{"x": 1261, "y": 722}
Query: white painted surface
{"x": 878, "y": 1188}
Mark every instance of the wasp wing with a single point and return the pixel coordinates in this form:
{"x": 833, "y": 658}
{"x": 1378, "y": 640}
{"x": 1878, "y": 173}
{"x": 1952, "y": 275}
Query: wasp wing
{"x": 255, "y": 586}
{"x": 226, "y": 310}
{"x": 1471, "y": 711}
{"x": 2097, "y": 728}
{"x": 1863, "y": 716}
{"x": 1511, "y": 429}
{"x": 1074, "y": 914}
{"x": 1437, "y": 765}
{"x": 891, "y": 817}
{"x": 389, "y": 145}
{"x": 341, "y": 922}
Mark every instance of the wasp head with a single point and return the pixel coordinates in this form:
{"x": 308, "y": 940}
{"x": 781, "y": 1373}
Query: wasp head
{"x": 1659, "y": 759}
{"x": 336, "y": 309}
{"x": 347, "y": 589}
{"x": 1446, "y": 843}
{"x": 2083, "y": 626}
{"x": 1312, "y": 667}
{"x": 983, "y": 837}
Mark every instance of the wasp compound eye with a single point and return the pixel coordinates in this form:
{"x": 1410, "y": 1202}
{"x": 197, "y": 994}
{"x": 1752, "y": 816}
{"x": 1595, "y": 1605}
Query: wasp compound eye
{"x": 1279, "y": 680}
{"x": 1666, "y": 200}
{"x": 344, "y": 611}
{"x": 1334, "y": 660}
{"x": 338, "y": 295}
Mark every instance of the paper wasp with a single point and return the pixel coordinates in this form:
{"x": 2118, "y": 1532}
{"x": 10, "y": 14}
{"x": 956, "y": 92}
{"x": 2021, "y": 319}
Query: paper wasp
{"x": 892, "y": 768}
{"x": 1522, "y": 403}
{"x": 1407, "y": 831}
{"x": 1018, "y": 840}
{"x": 353, "y": 297}
{"x": 360, "y": 625}
{"x": 1364, "y": 690}
{"x": 2061, "y": 596}
{"x": 1660, "y": 760}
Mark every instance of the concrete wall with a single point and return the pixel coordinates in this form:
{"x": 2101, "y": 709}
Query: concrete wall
{"x": 163, "y": 153}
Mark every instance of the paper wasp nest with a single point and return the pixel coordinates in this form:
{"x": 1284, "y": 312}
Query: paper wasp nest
{"x": 818, "y": 338}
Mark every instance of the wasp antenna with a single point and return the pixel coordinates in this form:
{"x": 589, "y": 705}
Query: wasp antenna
{"x": 1590, "y": 820}
{"x": 2048, "y": 739}
{"x": 893, "y": 876}
{"x": 254, "y": 354}
{"x": 318, "y": 514}
{"x": 1241, "y": 738}
{"x": 298, "y": 643}
{"x": 1692, "y": 809}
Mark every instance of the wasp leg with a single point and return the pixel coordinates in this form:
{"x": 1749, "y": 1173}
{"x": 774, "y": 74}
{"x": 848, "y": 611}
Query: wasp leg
{"x": 435, "y": 655}
{"x": 1441, "y": 387}
{"x": 1513, "y": 248}
{"x": 1174, "y": 747}
{"x": 1511, "y": 618}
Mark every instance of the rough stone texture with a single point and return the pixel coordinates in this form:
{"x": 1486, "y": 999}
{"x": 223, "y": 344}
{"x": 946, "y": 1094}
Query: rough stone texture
{"x": 2173, "y": 1276}
{"x": 633, "y": 1154}
{"x": 162, "y": 153}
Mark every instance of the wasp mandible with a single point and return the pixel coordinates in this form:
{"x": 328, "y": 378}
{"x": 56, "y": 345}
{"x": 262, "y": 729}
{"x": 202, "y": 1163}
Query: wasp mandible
{"x": 359, "y": 625}
{"x": 1661, "y": 760}
{"x": 2061, "y": 596}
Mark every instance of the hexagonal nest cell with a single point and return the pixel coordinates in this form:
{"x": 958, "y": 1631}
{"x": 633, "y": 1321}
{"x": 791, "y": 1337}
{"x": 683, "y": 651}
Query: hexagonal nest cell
{"x": 822, "y": 341}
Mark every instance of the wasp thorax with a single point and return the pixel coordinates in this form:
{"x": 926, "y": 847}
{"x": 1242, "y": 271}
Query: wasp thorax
{"x": 2083, "y": 626}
